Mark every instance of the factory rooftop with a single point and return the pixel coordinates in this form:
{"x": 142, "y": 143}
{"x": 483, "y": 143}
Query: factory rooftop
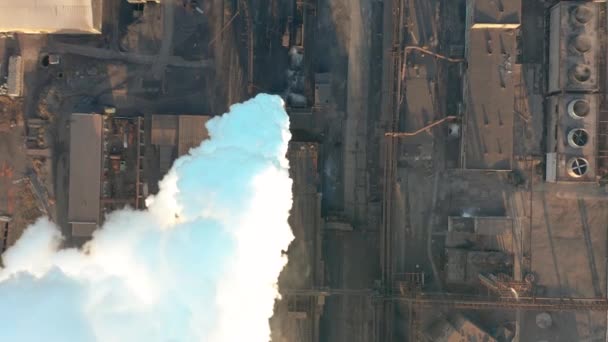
{"x": 457, "y": 328}
{"x": 51, "y": 16}
{"x": 85, "y": 173}
{"x": 490, "y": 99}
{"x": 183, "y": 131}
{"x": 494, "y": 14}
{"x": 173, "y": 136}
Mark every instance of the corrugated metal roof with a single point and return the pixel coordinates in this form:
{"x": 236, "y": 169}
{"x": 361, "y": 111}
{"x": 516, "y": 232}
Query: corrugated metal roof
{"x": 192, "y": 132}
{"x": 496, "y": 12}
{"x": 165, "y": 158}
{"x": 85, "y": 168}
{"x": 50, "y": 16}
{"x": 164, "y": 130}
{"x": 83, "y": 229}
{"x": 303, "y": 158}
{"x": 490, "y": 100}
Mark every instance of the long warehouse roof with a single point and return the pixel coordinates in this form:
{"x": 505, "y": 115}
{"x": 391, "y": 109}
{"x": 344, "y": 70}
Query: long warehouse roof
{"x": 85, "y": 171}
{"x": 51, "y": 16}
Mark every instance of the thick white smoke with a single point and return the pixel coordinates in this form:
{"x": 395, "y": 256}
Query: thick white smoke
{"x": 200, "y": 264}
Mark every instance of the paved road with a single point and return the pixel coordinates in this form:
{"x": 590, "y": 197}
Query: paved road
{"x": 136, "y": 58}
{"x": 355, "y": 159}
{"x": 167, "y": 40}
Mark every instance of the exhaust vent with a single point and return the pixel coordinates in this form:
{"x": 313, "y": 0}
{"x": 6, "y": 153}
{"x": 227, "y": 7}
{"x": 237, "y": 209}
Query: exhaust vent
{"x": 578, "y": 138}
{"x": 580, "y": 44}
{"x": 580, "y": 73}
{"x": 578, "y": 109}
{"x": 581, "y": 14}
{"x": 577, "y": 167}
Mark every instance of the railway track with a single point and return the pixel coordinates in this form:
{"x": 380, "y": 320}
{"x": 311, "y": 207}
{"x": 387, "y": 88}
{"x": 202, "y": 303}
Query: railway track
{"x": 456, "y": 301}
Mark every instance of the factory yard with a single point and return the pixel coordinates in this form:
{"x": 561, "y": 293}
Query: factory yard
{"x": 448, "y": 157}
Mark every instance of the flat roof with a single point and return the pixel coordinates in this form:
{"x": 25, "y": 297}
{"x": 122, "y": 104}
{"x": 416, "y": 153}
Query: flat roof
{"x": 481, "y": 225}
{"x": 456, "y": 263}
{"x": 458, "y": 328}
{"x": 191, "y": 132}
{"x": 464, "y": 265}
{"x": 565, "y": 40}
{"x": 495, "y": 13}
{"x": 303, "y": 158}
{"x": 164, "y": 130}
{"x": 83, "y": 229}
{"x": 493, "y": 225}
{"x": 50, "y": 16}
{"x": 490, "y": 99}
{"x": 85, "y": 169}
{"x": 561, "y": 124}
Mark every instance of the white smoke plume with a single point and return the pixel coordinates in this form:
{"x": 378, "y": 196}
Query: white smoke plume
{"x": 200, "y": 264}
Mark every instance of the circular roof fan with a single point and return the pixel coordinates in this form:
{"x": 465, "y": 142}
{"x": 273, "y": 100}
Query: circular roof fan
{"x": 581, "y": 44}
{"x": 577, "y": 167}
{"x": 579, "y": 108}
{"x": 582, "y": 14}
{"x": 578, "y": 138}
{"x": 581, "y": 73}
{"x": 544, "y": 320}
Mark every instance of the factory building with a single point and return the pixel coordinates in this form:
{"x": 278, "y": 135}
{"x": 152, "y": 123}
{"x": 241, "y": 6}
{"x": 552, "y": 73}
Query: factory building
{"x": 173, "y": 136}
{"x": 86, "y": 136}
{"x": 106, "y": 162}
{"x": 476, "y": 246}
{"x": 573, "y": 81}
{"x": 299, "y": 316}
{"x": 573, "y": 47}
{"x": 51, "y": 16}
{"x": 457, "y": 328}
{"x": 489, "y": 84}
{"x": 571, "y": 137}
{"x": 491, "y": 14}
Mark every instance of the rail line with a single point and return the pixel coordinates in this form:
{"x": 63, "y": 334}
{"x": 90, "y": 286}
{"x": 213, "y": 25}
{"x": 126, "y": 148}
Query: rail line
{"x": 456, "y": 301}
